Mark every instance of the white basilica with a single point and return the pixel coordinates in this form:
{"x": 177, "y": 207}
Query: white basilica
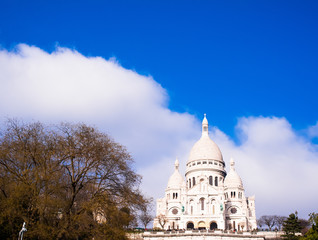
{"x": 209, "y": 198}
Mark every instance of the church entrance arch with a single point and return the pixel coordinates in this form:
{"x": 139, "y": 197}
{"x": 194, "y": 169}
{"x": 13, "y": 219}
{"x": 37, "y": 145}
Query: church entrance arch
{"x": 213, "y": 226}
{"x": 190, "y": 225}
{"x": 201, "y": 225}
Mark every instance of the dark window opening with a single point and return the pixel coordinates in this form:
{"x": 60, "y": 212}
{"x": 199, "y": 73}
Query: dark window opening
{"x": 202, "y": 203}
{"x": 213, "y": 226}
{"x": 211, "y": 180}
{"x": 190, "y": 225}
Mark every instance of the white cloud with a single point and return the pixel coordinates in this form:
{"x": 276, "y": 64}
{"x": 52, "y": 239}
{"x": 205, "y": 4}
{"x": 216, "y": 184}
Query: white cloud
{"x": 313, "y": 131}
{"x": 67, "y": 86}
{"x": 275, "y": 163}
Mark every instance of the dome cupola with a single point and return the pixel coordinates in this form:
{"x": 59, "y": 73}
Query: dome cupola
{"x": 232, "y": 179}
{"x": 176, "y": 180}
{"x": 205, "y": 148}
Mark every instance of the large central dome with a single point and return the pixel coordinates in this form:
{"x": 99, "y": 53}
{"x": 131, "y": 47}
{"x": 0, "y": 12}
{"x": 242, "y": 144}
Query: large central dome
{"x": 205, "y": 148}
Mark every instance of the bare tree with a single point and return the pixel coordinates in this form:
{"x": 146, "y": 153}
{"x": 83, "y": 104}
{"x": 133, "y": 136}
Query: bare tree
{"x": 279, "y": 222}
{"x": 260, "y": 223}
{"x": 146, "y": 212}
{"x": 58, "y": 178}
{"x": 162, "y": 219}
{"x": 269, "y": 221}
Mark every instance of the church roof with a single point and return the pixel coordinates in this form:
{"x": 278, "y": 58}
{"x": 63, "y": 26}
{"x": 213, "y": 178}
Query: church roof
{"x": 205, "y": 148}
{"x": 232, "y": 179}
{"x": 176, "y": 180}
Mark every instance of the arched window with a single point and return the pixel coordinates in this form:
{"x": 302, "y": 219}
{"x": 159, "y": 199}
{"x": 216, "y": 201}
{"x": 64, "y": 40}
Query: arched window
{"x": 190, "y": 225}
{"x": 193, "y": 181}
{"x": 216, "y": 181}
{"x": 176, "y": 195}
{"x": 189, "y": 182}
{"x": 213, "y": 226}
{"x": 173, "y": 195}
{"x": 211, "y": 180}
{"x": 202, "y": 203}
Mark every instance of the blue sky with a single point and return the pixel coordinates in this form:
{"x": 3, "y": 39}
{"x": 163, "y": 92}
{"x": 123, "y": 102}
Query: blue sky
{"x": 249, "y": 57}
{"x": 244, "y": 63}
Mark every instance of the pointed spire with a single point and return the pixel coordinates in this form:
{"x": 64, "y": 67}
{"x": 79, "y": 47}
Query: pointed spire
{"x": 176, "y": 164}
{"x": 232, "y": 164}
{"x": 205, "y": 126}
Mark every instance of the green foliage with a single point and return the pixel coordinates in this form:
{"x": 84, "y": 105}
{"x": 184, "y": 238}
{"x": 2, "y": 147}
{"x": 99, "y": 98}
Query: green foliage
{"x": 312, "y": 233}
{"x": 65, "y": 182}
{"x": 291, "y": 226}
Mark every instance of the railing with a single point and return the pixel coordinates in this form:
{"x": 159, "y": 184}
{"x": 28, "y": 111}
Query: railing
{"x": 208, "y": 235}
{"x": 208, "y": 232}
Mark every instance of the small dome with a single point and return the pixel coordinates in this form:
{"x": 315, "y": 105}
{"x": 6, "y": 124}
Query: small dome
{"x": 232, "y": 179}
{"x": 176, "y": 180}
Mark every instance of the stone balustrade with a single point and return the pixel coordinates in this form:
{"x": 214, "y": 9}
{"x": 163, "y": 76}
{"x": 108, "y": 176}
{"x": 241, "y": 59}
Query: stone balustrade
{"x": 200, "y": 234}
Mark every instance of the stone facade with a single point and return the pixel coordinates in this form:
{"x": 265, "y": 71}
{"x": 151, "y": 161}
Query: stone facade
{"x": 208, "y": 197}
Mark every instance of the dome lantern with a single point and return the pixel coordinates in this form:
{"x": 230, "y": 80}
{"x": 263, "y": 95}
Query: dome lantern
{"x": 205, "y": 148}
{"x": 205, "y": 126}
{"x": 232, "y": 164}
{"x": 176, "y": 164}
